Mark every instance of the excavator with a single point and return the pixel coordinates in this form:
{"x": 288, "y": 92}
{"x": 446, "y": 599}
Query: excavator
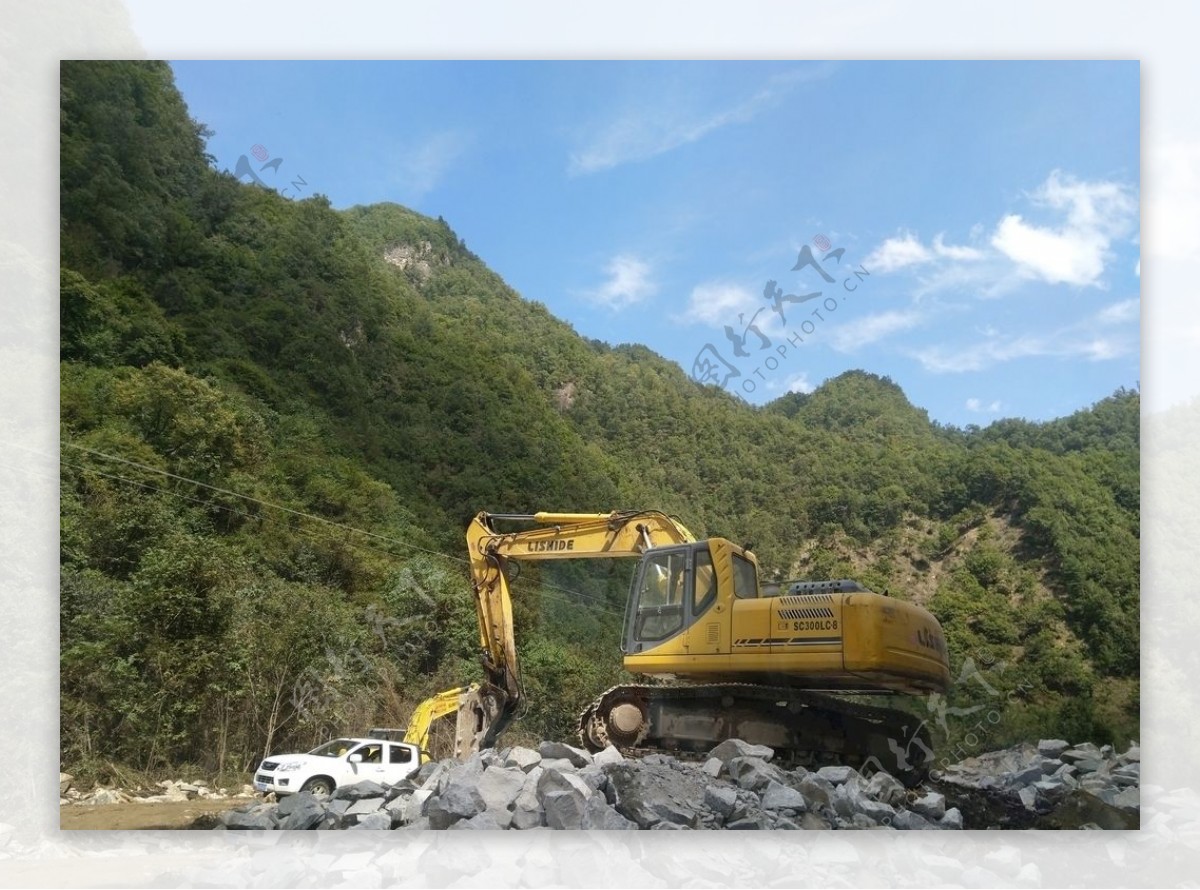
{"x": 725, "y": 655}
{"x": 423, "y": 717}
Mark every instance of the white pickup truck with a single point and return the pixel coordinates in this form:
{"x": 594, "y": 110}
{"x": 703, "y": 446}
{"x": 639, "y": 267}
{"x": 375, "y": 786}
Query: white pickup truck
{"x": 337, "y": 763}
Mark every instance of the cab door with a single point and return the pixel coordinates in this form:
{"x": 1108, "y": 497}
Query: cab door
{"x": 400, "y": 761}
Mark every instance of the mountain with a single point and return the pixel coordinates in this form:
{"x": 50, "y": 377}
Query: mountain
{"x": 278, "y": 417}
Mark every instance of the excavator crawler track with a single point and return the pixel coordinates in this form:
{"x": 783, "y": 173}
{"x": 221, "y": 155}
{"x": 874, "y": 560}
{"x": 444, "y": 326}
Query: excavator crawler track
{"x": 806, "y": 728}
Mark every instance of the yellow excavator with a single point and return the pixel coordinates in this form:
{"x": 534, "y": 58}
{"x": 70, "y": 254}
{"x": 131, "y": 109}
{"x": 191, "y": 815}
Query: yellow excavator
{"x": 725, "y": 655}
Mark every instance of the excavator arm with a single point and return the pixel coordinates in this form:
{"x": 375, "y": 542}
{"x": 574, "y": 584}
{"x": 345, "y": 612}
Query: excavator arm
{"x": 491, "y": 706}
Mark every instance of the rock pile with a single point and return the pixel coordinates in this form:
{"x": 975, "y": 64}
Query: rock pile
{"x": 1052, "y": 785}
{"x": 562, "y": 787}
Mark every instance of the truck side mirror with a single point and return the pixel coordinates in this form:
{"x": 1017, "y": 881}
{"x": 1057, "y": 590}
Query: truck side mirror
{"x": 355, "y": 758}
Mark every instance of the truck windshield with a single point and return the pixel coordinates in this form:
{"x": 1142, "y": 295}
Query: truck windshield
{"x": 336, "y": 748}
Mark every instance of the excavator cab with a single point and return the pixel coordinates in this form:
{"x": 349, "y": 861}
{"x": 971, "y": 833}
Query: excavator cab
{"x": 673, "y": 588}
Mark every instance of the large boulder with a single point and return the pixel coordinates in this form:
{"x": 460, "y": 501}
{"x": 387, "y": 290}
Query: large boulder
{"x": 460, "y": 800}
{"x": 931, "y": 806}
{"x": 300, "y": 812}
{"x": 521, "y": 758}
{"x": 564, "y": 809}
{"x": 731, "y": 748}
{"x": 561, "y": 751}
{"x": 597, "y": 814}
{"x": 886, "y": 788}
{"x": 721, "y": 799}
{"x": 649, "y": 794}
{"x": 499, "y": 787}
{"x": 837, "y": 775}
{"x": 1052, "y": 748}
{"x": 754, "y": 773}
{"x": 359, "y": 790}
{"x": 777, "y": 796}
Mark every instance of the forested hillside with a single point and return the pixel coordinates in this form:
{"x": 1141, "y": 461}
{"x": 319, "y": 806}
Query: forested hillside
{"x": 277, "y": 419}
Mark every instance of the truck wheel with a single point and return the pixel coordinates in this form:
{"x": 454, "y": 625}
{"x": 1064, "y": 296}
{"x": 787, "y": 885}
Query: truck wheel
{"x": 319, "y": 786}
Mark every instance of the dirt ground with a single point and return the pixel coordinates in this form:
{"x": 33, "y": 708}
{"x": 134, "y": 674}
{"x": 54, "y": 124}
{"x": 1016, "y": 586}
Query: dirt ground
{"x": 181, "y": 814}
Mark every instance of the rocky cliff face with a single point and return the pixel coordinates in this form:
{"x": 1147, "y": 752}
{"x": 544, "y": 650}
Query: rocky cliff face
{"x": 1048, "y": 785}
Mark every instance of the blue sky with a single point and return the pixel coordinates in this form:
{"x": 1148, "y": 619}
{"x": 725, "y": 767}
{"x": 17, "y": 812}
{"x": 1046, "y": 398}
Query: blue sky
{"x": 993, "y": 204}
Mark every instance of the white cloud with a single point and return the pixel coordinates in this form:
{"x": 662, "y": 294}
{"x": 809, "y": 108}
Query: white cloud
{"x": 1117, "y": 313}
{"x": 978, "y": 407}
{"x": 1076, "y": 251}
{"x": 956, "y": 251}
{"x": 664, "y": 123}
{"x": 799, "y": 383}
{"x": 994, "y": 351}
{"x": 718, "y": 303}
{"x": 898, "y": 253}
{"x": 419, "y": 168}
{"x": 629, "y": 281}
{"x": 872, "y": 328}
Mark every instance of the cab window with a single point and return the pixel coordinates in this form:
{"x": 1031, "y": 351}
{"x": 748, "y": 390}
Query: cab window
{"x": 660, "y": 596}
{"x": 745, "y": 578}
{"x": 705, "y": 590}
{"x": 400, "y": 754}
{"x": 370, "y": 754}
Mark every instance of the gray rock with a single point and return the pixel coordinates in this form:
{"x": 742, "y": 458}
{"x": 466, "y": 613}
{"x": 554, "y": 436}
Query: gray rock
{"x": 1051, "y": 788}
{"x": 1090, "y": 765}
{"x": 836, "y": 775}
{"x": 754, "y": 773}
{"x": 783, "y": 797}
{"x": 597, "y": 814}
{"x": 1028, "y": 796}
{"x": 651, "y": 794}
{"x": 906, "y": 820}
{"x": 557, "y": 780}
{"x": 818, "y": 791}
{"x": 813, "y": 822}
{"x": 1129, "y": 774}
{"x": 1052, "y": 748}
{"x": 746, "y": 823}
{"x": 953, "y": 820}
{"x": 478, "y": 822}
{"x": 850, "y": 800}
{"x": 524, "y": 819}
{"x": 1133, "y": 755}
{"x": 608, "y": 755}
{"x": 523, "y": 759}
{"x": 418, "y": 824}
{"x": 459, "y": 801}
{"x": 499, "y": 787}
{"x": 669, "y": 826}
{"x": 558, "y": 750}
{"x": 713, "y": 766}
{"x": 721, "y": 799}
{"x": 1127, "y": 799}
{"x": 303, "y": 814}
{"x": 886, "y": 788}
{"x": 594, "y": 777}
{"x": 359, "y": 790}
{"x": 64, "y": 782}
{"x": 364, "y": 806}
{"x": 1086, "y": 751}
{"x": 337, "y": 807}
{"x": 289, "y": 803}
{"x": 255, "y": 820}
{"x": 931, "y": 806}
{"x": 731, "y": 748}
{"x": 564, "y": 809}
{"x": 377, "y": 821}
{"x": 562, "y": 764}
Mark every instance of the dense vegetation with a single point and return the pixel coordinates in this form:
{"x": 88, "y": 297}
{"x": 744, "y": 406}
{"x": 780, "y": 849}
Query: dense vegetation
{"x": 272, "y": 440}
